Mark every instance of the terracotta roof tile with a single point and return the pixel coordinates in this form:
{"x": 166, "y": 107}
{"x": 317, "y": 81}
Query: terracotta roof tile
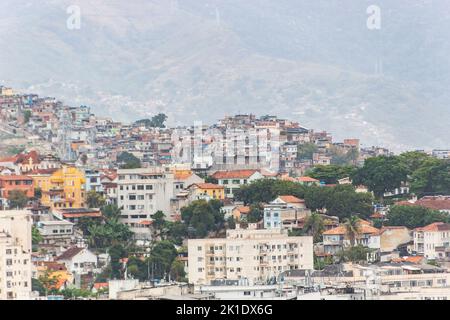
{"x": 234, "y": 174}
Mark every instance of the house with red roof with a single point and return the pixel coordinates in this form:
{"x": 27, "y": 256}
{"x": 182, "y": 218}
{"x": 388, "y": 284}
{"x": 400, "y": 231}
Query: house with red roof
{"x": 439, "y": 203}
{"x": 308, "y": 181}
{"x": 286, "y": 212}
{"x": 232, "y": 180}
{"x": 433, "y": 241}
{"x": 336, "y": 239}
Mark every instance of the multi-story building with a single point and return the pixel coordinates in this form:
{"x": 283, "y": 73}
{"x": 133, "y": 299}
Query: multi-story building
{"x": 64, "y": 188}
{"x": 433, "y": 240}
{"x": 15, "y": 183}
{"x": 286, "y": 212}
{"x": 232, "y": 180}
{"x": 142, "y": 192}
{"x": 258, "y": 255}
{"x": 441, "y": 154}
{"x": 206, "y": 191}
{"x": 15, "y": 254}
{"x": 93, "y": 181}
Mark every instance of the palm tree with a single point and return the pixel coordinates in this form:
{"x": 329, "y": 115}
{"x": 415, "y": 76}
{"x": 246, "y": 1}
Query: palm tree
{"x": 314, "y": 226}
{"x": 352, "y": 227}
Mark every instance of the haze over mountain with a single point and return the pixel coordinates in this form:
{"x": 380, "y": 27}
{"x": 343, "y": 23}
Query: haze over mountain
{"x": 311, "y": 61}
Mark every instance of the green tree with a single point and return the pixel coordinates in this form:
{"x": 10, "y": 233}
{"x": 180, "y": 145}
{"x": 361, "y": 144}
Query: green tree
{"x": 266, "y": 190}
{"x": 37, "y": 193}
{"x": 158, "y": 120}
{"x": 27, "y": 116}
{"x": 176, "y": 232}
{"x": 177, "y": 271}
{"x": 116, "y": 253}
{"x": 36, "y": 285}
{"x": 341, "y": 201}
{"x": 355, "y": 254}
{"x": 35, "y": 235}
{"x": 306, "y": 150}
{"x": 161, "y": 258}
{"x": 128, "y": 161}
{"x": 48, "y": 281}
{"x": 414, "y": 216}
{"x": 95, "y": 199}
{"x": 351, "y": 225}
{"x": 413, "y": 160}
{"x": 202, "y": 217}
{"x": 314, "y": 226}
{"x": 332, "y": 173}
{"x": 17, "y": 199}
{"x": 381, "y": 174}
{"x": 256, "y": 213}
{"x": 231, "y": 224}
{"x": 432, "y": 177}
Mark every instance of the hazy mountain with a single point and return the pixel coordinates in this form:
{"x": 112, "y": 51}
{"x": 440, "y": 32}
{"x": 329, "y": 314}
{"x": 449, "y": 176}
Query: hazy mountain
{"x": 313, "y": 61}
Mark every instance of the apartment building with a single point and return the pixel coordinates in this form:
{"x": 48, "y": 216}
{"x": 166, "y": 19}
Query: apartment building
{"x": 433, "y": 240}
{"x": 62, "y": 188}
{"x": 140, "y": 193}
{"x": 258, "y": 255}
{"x": 15, "y": 254}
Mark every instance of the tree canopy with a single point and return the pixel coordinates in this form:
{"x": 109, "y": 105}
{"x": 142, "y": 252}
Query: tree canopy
{"x": 381, "y": 174}
{"x": 332, "y": 173}
{"x": 414, "y": 216}
{"x": 431, "y": 177}
{"x": 128, "y": 161}
{"x": 202, "y": 217}
{"x": 156, "y": 121}
{"x": 17, "y": 199}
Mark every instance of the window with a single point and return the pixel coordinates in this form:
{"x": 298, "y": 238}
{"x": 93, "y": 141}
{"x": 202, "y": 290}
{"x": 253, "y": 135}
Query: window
{"x": 140, "y": 187}
{"x": 132, "y": 197}
{"x": 149, "y": 187}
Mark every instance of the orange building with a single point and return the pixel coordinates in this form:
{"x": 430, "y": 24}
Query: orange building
{"x": 16, "y": 182}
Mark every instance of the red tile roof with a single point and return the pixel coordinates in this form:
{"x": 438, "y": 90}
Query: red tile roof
{"x": 430, "y": 202}
{"x": 243, "y": 209}
{"x": 291, "y": 199}
{"x": 364, "y": 227}
{"x": 15, "y": 177}
{"x": 208, "y": 186}
{"x": 307, "y": 179}
{"x": 434, "y": 227}
{"x": 234, "y": 174}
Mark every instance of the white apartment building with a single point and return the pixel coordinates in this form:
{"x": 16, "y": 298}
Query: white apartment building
{"x": 142, "y": 192}
{"x": 433, "y": 240}
{"x": 257, "y": 255}
{"x": 15, "y": 254}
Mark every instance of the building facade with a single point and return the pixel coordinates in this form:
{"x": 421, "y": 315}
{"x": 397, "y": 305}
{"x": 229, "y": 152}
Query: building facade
{"x": 142, "y": 192}
{"x": 15, "y": 254}
{"x": 257, "y": 255}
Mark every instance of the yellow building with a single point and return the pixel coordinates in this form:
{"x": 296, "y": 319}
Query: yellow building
{"x": 206, "y": 190}
{"x": 64, "y": 188}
